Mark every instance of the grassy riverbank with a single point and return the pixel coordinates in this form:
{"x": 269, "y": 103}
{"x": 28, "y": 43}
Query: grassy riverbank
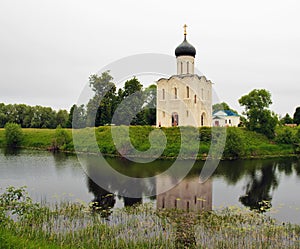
{"x": 78, "y": 225}
{"x": 240, "y": 142}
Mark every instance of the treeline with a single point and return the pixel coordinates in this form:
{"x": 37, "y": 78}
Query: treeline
{"x": 131, "y": 105}
{"x": 33, "y": 116}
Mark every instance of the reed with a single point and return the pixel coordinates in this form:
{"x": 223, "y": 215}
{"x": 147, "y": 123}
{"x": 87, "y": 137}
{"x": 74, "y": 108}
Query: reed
{"x": 24, "y": 224}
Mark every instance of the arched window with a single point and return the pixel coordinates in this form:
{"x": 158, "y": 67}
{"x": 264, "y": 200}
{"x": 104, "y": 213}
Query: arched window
{"x": 175, "y": 93}
{"x": 195, "y": 99}
{"x": 163, "y": 94}
{"x": 187, "y": 67}
{"x": 187, "y": 92}
{"x": 181, "y": 67}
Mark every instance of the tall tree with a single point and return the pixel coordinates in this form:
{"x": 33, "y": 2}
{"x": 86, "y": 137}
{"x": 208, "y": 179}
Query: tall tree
{"x": 297, "y": 116}
{"x": 3, "y": 116}
{"x": 79, "y": 117}
{"x": 100, "y": 107}
{"x": 128, "y": 110}
{"x": 70, "y": 117}
{"x": 150, "y": 105}
{"x": 259, "y": 117}
{"x": 132, "y": 86}
{"x": 62, "y": 118}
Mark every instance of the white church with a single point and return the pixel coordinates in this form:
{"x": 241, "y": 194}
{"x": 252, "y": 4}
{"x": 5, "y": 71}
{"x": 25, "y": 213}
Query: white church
{"x": 184, "y": 99}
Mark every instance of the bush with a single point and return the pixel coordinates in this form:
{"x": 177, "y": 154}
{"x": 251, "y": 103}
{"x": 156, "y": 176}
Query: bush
{"x": 284, "y": 136}
{"x": 234, "y": 147}
{"x": 296, "y": 141}
{"x": 13, "y": 134}
{"x": 61, "y": 139}
{"x": 205, "y": 134}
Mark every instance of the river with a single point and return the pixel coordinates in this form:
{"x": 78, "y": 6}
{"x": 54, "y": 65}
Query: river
{"x": 271, "y": 186}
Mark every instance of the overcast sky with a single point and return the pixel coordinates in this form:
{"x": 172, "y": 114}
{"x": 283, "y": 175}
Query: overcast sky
{"x": 49, "y": 48}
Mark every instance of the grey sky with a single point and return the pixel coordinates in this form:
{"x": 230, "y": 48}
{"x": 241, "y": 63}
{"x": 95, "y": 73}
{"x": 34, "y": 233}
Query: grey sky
{"x": 48, "y": 49}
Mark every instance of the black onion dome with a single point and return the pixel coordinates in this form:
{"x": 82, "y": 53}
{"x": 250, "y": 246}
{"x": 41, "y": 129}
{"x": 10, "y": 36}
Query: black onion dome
{"x": 185, "y": 49}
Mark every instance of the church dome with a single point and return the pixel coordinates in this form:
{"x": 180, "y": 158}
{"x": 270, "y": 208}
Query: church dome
{"x": 185, "y": 48}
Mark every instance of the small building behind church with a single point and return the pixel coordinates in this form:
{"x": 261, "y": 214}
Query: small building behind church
{"x": 225, "y": 118}
{"x": 184, "y": 99}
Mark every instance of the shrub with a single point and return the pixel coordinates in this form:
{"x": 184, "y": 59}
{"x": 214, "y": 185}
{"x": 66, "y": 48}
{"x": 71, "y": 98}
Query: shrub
{"x": 234, "y": 147}
{"x": 13, "y": 134}
{"x": 61, "y": 139}
{"x": 296, "y": 141}
{"x": 205, "y": 134}
{"x": 284, "y": 136}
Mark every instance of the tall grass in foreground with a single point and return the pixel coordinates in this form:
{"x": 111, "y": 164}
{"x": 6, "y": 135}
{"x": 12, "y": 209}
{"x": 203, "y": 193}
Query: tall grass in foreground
{"x": 77, "y": 225}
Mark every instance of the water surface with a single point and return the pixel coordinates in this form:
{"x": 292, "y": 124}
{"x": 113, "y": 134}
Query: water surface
{"x": 271, "y": 186}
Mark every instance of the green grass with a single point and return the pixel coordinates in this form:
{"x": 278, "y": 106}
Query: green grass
{"x": 9, "y": 240}
{"x": 254, "y": 144}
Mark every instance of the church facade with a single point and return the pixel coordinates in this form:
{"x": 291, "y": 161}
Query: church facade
{"x": 184, "y": 99}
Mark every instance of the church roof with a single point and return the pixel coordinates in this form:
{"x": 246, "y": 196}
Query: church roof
{"x": 185, "y": 48}
{"x": 182, "y": 76}
{"x": 225, "y": 113}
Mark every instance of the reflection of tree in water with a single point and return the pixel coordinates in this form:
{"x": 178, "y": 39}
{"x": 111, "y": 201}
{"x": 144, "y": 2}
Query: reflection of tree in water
{"x": 128, "y": 202}
{"x": 103, "y": 202}
{"x": 296, "y": 166}
{"x": 257, "y": 195}
{"x": 9, "y": 151}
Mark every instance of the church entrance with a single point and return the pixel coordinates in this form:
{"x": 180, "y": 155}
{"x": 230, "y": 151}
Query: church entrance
{"x": 203, "y": 119}
{"x": 175, "y": 119}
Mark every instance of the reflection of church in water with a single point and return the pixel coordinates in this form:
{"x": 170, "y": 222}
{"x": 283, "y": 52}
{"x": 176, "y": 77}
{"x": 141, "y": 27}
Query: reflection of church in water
{"x": 189, "y": 194}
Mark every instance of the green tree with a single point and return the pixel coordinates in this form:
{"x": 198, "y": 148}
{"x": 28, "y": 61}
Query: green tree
{"x": 100, "y": 108}
{"x": 259, "y": 117}
{"x": 3, "y": 116}
{"x": 150, "y": 105}
{"x": 297, "y": 116}
{"x": 70, "y": 117}
{"x": 43, "y": 117}
{"x": 286, "y": 119}
{"x": 132, "y": 86}
{"x": 79, "y": 117}
{"x": 222, "y": 107}
{"x": 26, "y": 123}
{"x": 128, "y": 109}
{"x": 62, "y": 117}
{"x": 13, "y": 134}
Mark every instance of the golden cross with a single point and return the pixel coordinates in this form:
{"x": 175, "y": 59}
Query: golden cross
{"x": 185, "y": 26}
